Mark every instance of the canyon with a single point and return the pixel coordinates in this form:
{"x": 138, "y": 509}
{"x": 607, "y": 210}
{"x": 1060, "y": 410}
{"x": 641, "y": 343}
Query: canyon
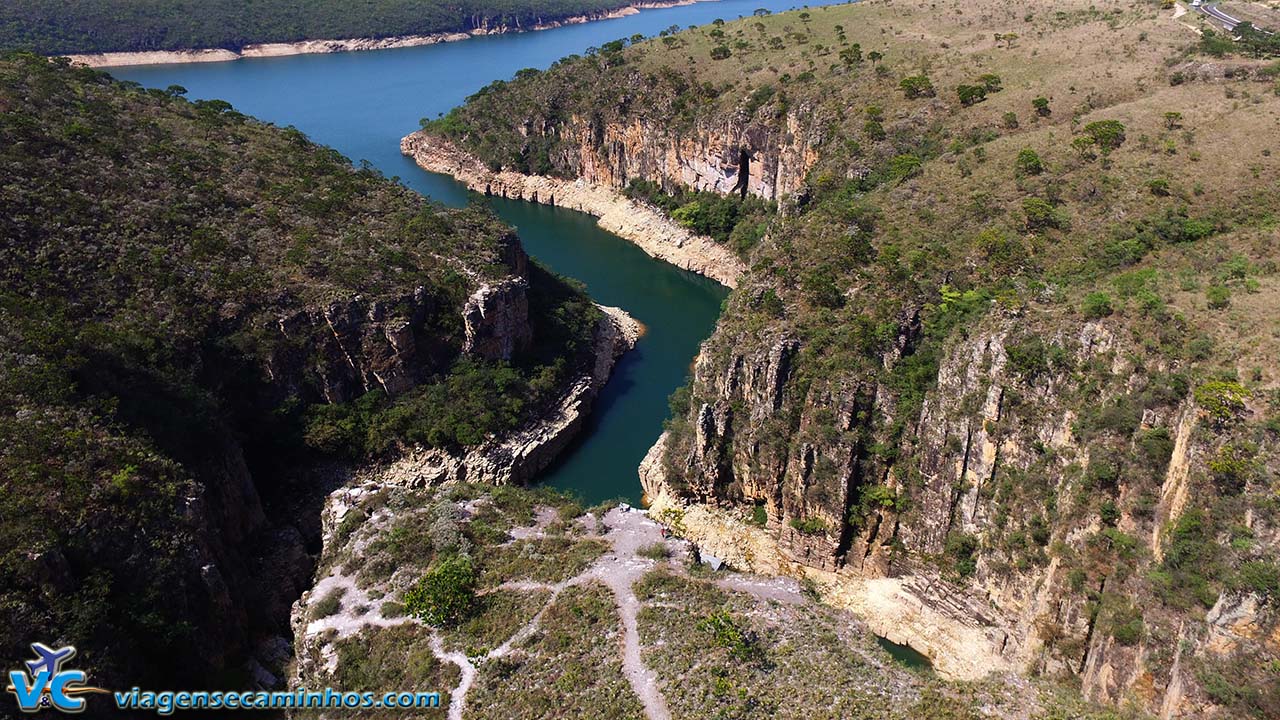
{"x": 978, "y": 469}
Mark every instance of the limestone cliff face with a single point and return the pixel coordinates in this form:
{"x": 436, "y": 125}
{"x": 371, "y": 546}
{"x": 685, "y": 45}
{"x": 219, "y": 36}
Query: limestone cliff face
{"x": 974, "y": 535}
{"x": 497, "y": 320}
{"x": 341, "y": 350}
{"x": 641, "y": 224}
{"x": 715, "y": 155}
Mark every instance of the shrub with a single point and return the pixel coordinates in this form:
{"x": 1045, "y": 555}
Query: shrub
{"x": 1107, "y": 134}
{"x": 1010, "y": 120}
{"x": 726, "y": 632}
{"x": 1259, "y": 576}
{"x": 1159, "y": 187}
{"x": 1096, "y": 305}
{"x": 1041, "y": 214}
{"x": 1028, "y": 163}
{"x": 809, "y": 526}
{"x": 446, "y": 595}
{"x": 1041, "y": 106}
{"x": 904, "y": 166}
{"x": 1232, "y": 467}
{"x": 720, "y": 52}
{"x": 990, "y": 82}
{"x": 1218, "y": 297}
{"x": 917, "y": 86}
{"x": 655, "y": 551}
{"x": 962, "y": 550}
{"x": 1222, "y": 400}
{"x": 971, "y": 94}
{"x": 328, "y": 605}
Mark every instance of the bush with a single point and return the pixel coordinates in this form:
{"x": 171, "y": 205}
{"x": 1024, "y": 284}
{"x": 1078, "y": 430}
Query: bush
{"x": 1222, "y": 400}
{"x": 1028, "y": 163}
{"x": 809, "y": 526}
{"x": 1041, "y": 214}
{"x": 1259, "y": 576}
{"x": 446, "y": 595}
{"x": 917, "y": 86}
{"x": 1218, "y": 297}
{"x": 720, "y": 52}
{"x": 328, "y": 605}
{"x": 1106, "y": 134}
{"x": 726, "y": 632}
{"x": 971, "y": 94}
{"x": 962, "y": 550}
{"x": 1041, "y": 106}
{"x": 1096, "y": 305}
{"x": 655, "y": 551}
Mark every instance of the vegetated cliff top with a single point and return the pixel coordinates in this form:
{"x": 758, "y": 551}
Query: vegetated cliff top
{"x": 52, "y": 27}
{"x": 194, "y": 304}
{"x": 1016, "y": 326}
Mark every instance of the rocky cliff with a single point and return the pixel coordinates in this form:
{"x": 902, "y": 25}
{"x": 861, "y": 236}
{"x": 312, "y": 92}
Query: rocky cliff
{"x": 643, "y": 225}
{"x": 985, "y": 380}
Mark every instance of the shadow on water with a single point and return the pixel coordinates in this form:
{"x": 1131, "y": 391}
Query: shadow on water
{"x": 906, "y": 656}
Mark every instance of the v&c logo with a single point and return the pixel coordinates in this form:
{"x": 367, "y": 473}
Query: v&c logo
{"x": 44, "y": 684}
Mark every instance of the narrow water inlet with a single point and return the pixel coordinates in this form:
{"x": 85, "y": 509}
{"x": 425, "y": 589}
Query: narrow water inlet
{"x": 906, "y": 656}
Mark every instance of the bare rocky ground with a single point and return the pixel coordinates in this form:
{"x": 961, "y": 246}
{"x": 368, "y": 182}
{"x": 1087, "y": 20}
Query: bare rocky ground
{"x": 596, "y": 614}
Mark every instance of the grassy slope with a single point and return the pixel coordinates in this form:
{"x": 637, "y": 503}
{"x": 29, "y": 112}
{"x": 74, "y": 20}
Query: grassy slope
{"x": 53, "y": 27}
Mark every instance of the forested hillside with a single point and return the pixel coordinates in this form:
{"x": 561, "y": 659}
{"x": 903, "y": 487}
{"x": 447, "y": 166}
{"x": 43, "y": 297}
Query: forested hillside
{"x": 1008, "y": 345}
{"x": 196, "y": 306}
{"x": 52, "y": 27}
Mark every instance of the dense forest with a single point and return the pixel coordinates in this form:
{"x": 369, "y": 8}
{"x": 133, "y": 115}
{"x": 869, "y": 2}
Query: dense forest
{"x": 51, "y": 27}
{"x": 175, "y": 276}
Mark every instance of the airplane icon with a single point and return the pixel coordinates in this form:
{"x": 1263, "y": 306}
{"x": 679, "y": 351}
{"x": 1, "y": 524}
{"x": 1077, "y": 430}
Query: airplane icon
{"x": 49, "y": 659}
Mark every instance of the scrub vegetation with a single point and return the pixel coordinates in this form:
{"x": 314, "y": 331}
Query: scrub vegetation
{"x": 52, "y": 27}
{"x": 151, "y": 251}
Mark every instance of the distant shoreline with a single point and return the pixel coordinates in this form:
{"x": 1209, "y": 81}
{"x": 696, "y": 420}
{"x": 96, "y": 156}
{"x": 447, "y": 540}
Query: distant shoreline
{"x": 316, "y": 47}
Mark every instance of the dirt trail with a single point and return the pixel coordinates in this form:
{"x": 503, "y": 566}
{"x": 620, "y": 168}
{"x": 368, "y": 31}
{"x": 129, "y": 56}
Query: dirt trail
{"x": 627, "y": 530}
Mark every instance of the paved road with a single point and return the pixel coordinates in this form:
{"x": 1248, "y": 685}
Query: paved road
{"x": 1212, "y": 11}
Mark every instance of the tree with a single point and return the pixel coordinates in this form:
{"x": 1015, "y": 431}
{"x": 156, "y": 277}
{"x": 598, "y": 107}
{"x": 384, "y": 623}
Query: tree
{"x": 917, "y": 86}
{"x": 1107, "y": 134}
{"x": 1028, "y": 163}
{"x": 991, "y": 82}
{"x": 1041, "y": 106}
{"x": 446, "y": 595}
{"x": 970, "y": 94}
{"x": 875, "y": 56}
{"x": 720, "y": 52}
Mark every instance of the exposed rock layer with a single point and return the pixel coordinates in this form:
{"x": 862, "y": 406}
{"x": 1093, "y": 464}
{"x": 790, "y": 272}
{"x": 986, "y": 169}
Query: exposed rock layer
{"x": 652, "y": 231}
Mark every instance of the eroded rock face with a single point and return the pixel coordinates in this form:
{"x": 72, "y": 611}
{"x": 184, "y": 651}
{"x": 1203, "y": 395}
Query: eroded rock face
{"x": 497, "y": 320}
{"x": 709, "y": 157}
{"x": 974, "y": 534}
{"x": 641, "y": 224}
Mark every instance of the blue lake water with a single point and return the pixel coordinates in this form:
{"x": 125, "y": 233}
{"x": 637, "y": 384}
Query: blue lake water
{"x": 363, "y": 103}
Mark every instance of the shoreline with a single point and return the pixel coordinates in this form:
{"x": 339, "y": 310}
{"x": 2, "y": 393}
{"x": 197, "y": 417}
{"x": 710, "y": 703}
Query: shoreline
{"x": 327, "y": 46}
{"x": 650, "y": 230}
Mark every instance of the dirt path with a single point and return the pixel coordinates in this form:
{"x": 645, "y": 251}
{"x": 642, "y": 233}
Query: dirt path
{"x": 628, "y": 531}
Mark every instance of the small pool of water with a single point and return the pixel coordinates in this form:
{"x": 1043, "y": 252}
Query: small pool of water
{"x": 906, "y": 655}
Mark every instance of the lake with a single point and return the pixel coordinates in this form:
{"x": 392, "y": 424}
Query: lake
{"x": 362, "y": 103}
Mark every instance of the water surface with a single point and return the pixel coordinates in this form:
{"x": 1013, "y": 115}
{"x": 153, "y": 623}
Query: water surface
{"x": 362, "y": 104}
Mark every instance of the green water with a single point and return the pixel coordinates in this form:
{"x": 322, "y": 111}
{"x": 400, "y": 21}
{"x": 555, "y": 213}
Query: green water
{"x": 363, "y": 103}
{"x": 906, "y": 655}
